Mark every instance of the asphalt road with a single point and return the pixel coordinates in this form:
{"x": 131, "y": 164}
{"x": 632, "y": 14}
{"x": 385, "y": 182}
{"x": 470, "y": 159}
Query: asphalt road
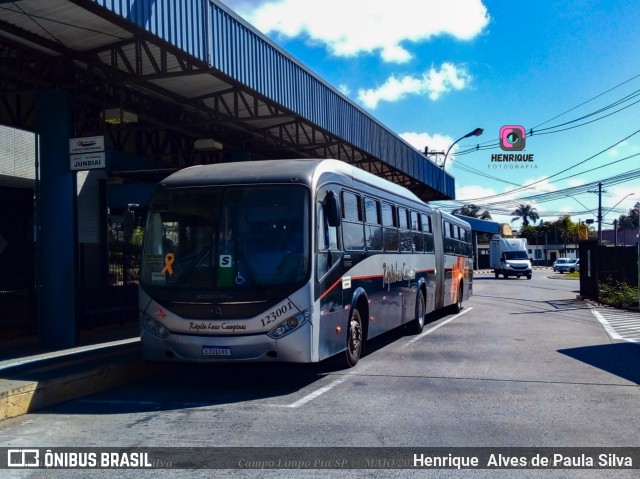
{"x": 525, "y": 364}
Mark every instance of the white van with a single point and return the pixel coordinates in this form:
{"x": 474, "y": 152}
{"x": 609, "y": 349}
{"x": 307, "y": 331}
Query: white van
{"x": 509, "y": 257}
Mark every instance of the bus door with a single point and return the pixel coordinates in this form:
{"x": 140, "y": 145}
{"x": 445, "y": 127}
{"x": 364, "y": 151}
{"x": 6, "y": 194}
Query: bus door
{"x": 328, "y": 274}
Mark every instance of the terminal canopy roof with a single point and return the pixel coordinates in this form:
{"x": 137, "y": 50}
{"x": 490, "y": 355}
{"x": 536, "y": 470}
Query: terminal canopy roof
{"x": 187, "y": 82}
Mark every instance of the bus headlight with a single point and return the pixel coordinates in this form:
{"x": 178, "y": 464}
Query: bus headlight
{"x": 290, "y": 324}
{"x": 153, "y": 326}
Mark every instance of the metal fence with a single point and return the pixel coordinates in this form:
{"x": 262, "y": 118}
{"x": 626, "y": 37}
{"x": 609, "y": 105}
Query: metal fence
{"x": 599, "y": 264}
{"x": 108, "y": 283}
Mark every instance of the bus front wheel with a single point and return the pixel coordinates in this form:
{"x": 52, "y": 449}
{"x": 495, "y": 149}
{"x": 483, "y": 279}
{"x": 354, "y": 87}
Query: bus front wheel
{"x": 354, "y": 340}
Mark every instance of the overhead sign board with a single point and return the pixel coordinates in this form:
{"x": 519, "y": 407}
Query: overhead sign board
{"x": 88, "y": 144}
{"x": 87, "y": 153}
{"x": 89, "y": 161}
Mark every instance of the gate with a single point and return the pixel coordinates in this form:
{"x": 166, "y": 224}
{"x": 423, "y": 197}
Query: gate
{"x": 600, "y": 264}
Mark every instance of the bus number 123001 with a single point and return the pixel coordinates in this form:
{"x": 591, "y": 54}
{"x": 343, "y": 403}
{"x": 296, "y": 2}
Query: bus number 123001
{"x": 277, "y": 314}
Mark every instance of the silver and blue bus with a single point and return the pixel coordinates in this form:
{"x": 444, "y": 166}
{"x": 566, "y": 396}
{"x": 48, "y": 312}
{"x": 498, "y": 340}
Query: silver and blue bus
{"x": 292, "y": 260}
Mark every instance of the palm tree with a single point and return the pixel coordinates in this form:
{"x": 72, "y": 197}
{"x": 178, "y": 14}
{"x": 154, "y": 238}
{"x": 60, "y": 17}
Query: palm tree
{"x": 526, "y": 213}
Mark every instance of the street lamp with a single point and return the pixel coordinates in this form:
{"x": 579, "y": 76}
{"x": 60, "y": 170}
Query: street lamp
{"x": 610, "y": 209}
{"x": 476, "y": 132}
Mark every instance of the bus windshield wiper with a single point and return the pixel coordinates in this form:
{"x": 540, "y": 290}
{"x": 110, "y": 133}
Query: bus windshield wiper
{"x": 197, "y": 259}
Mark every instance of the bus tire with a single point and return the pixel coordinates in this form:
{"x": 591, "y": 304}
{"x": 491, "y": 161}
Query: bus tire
{"x": 354, "y": 341}
{"x": 457, "y": 306}
{"x": 417, "y": 325}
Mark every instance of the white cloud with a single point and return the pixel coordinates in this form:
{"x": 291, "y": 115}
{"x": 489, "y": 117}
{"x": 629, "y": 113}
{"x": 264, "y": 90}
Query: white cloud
{"x": 435, "y": 142}
{"x": 573, "y": 182}
{"x": 392, "y": 90}
{"x": 473, "y": 191}
{"x": 434, "y": 83}
{"x": 615, "y": 151}
{"x": 448, "y": 78}
{"x": 539, "y": 185}
{"x": 344, "y": 89}
{"x": 352, "y": 27}
{"x": 419, "y": 141}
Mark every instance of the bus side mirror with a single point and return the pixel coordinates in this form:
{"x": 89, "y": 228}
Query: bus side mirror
{"x": 330, "y": 206}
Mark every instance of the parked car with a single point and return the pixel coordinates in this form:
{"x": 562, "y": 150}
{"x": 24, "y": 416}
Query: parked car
{"x": 568, "y": 266}
{"x": 560, "y": 261}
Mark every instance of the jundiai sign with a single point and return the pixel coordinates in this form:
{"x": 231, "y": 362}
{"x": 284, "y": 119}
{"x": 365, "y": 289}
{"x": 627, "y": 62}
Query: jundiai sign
{"x": 88, "y": 161}
{"x": 87, "y": 153}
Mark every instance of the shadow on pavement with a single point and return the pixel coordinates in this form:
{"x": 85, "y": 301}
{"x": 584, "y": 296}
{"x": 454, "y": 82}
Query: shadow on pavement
{"x": 620, "y": 359}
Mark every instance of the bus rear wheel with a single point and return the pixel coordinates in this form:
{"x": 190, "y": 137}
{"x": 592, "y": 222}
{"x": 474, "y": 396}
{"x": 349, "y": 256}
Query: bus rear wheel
{"x": 417, "y": 325}
{"x": 354, "y": 341}
{"x": 457, "y": 306}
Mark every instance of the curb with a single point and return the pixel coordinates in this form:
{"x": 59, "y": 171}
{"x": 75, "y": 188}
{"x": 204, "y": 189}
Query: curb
{"x": 490, "y": 271}
{"x": 30, "y": 385}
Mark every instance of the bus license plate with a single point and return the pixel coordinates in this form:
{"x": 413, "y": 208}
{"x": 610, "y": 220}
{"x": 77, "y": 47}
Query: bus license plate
{"x": 216, "y": 351}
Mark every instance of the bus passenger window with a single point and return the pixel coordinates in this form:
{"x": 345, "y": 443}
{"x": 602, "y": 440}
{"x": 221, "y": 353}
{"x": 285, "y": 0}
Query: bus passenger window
{"x": 448, "y": 237}
{"x": 427, "y": 233}
{"x": 416, "y": 235}
{"x": 373, "y": 230}
{"x": 390, "y": 227}
{"x": 352, "y": 227}
{"x": 405, "y": 234}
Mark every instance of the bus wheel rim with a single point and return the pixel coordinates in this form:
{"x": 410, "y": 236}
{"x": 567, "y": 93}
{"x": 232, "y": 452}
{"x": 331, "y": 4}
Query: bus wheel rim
{"x": 355, "y": 337}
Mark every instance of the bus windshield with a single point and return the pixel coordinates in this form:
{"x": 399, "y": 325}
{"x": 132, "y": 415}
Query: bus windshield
{"x": 227, "y": 237}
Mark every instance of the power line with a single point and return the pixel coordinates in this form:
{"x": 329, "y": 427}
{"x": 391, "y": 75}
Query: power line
{"x": 507, "y": 206}
{"x": 491, "y": 144}
{"x": 559, "y": 194}
{"x": 558, "y": 173}
{"x": 589, "y": 100}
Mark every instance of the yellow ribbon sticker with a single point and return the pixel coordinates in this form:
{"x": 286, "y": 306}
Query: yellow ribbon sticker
{"x": 168, "y": 261}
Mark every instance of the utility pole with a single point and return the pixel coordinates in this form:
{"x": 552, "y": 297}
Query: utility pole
{"x": 599, "y": 192}
{"x": 599, "y": 213}
{"x": 428, "y": 153}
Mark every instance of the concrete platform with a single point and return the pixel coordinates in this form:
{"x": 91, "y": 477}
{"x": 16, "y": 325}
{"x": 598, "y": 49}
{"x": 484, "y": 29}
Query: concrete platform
{"x": 42, "y": 380}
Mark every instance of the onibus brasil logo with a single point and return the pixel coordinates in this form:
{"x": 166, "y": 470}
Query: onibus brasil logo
{"x": 512, "y": 138}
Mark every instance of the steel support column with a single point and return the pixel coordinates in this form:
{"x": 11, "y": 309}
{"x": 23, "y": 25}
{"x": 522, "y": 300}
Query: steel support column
{"x": 56, "y": 240}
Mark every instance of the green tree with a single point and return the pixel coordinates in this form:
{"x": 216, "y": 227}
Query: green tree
{"x": 526, "y": 213}
{"x": 630, "y": 220}
{"x": 569, "y": 231}
{"x": 138, "y": 235}
{"x": 473, "y": 211}
{"x": 530, "y": 232}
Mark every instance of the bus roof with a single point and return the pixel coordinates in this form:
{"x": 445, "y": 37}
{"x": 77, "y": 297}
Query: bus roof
{"x": 278, "y": 171}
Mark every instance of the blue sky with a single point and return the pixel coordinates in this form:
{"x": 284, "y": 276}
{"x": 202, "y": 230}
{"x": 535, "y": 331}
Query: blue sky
{"x": 432, "y": 71}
